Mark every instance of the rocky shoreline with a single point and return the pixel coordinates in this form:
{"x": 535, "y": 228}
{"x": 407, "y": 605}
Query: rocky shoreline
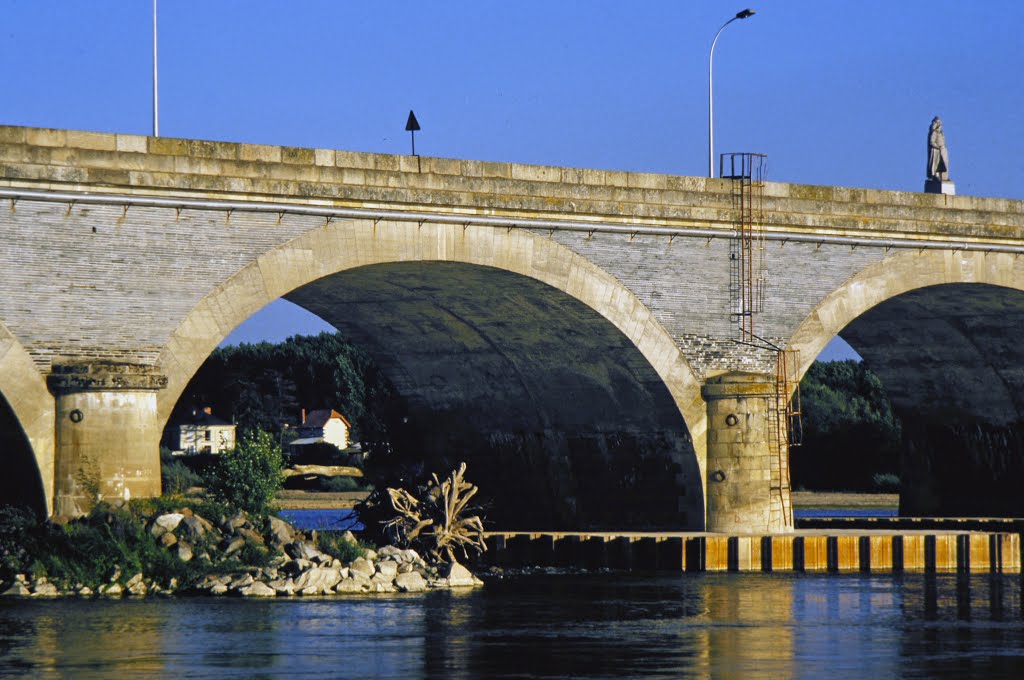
{"x": 291, "y": 563}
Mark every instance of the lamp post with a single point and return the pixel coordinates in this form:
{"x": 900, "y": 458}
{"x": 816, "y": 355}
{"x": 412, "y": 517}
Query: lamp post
{"x": 711, "y": 120}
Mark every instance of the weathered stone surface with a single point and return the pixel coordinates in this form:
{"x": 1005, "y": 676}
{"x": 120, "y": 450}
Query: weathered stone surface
{"x": 45, "y": 589}
{"x": 295, "y": 567}
{"x": 241, "y": 581}
{"x": 229, "y": 546}
{"x": 283, "y": 586}
{"x": 111, "y": 590}
{"x": 457, "y": 576}
{"x": 410, "y": 582}
{"x": 184, "y": 551}
{"x": 301, "y": 550}
{"x": 18, "y": 589}
{"x": 168, "y": 539}
{"x": 280, "y": 532}
{"x": 388, "y": 568}
{"x": 170, "y": 521}
{"x": 318, "y": 580}
{"x": 362, "y": 566}
{"x": 257, "y": 589}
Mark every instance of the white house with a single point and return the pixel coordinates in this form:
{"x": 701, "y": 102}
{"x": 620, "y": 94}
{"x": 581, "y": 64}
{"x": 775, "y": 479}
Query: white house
{"x": 199, "y": 431}
{"x": 323, "y": 426}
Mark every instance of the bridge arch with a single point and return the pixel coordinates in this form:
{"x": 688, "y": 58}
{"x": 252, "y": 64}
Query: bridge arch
{"x": 31, "y": 405}
{"x": 942, "y": 331}
{"x": 361, "y": 248}
{"x": 895, "y": 276}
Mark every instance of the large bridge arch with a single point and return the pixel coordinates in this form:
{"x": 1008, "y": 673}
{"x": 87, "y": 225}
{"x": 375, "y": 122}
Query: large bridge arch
{"x": 942, "y": 331}
{"x": 386, "y": 249}
{"x": 23, "y": 388}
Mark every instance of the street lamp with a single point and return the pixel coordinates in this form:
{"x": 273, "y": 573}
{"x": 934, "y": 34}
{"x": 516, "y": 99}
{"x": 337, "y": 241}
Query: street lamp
{"x": 711, "y": 120}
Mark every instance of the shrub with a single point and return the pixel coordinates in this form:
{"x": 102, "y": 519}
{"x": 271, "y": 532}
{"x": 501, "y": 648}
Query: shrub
{"x": 886, "y": 482}
{"x": 249, "y": 476}
{"x": 340, "y": 545}
{"x": 177, "y": 478}
{"x": 337, "y": 484}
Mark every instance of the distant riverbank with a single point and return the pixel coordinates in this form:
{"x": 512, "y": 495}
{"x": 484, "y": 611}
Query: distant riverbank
{"x": 293, "y": 499}
{"x": 841, "y": 500}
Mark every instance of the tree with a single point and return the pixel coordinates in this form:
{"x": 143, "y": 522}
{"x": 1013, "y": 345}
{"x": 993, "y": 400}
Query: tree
{"x": 249, "y": 476}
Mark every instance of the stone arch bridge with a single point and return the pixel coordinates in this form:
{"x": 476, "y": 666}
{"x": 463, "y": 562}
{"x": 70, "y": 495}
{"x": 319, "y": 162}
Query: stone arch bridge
{"x": 568, "y": 330}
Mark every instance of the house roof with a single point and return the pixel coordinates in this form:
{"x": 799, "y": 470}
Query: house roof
{"x": 196, "y": 416}
{"x": 306, "y": 441}
{"x": 319, "y": 418}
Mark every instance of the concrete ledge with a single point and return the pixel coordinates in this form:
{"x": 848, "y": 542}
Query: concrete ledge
{"x": 803, "y": 551}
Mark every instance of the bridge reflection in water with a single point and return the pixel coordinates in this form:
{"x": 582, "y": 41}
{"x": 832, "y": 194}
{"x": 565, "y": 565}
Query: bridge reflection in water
{"x": 607, "y": 625}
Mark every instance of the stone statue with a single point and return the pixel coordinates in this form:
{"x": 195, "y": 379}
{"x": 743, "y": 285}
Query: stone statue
{"x": 938, "y": 156}
{"x": 937, "y": 181}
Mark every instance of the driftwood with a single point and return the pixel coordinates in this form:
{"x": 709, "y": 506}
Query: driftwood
{"x": 437, "y": 521}
{"x": 324, "y": 470}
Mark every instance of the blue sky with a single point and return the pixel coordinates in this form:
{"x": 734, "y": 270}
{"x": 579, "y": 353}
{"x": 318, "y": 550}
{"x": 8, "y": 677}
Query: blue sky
{"x": 836, "y": 93}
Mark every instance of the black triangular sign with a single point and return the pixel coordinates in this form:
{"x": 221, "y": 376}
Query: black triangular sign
{"x": 412, "y": 124}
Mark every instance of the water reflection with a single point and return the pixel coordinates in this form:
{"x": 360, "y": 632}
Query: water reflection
{"x": 614, "y": 625}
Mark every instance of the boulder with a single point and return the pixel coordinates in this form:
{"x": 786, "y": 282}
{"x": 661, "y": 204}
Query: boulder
{"x": 85, "y": 591}
{"x": 351, "y": 585}
{"x": 301, "y": 550}
{"x": 231, "y": 545}
{"x": 410, "y": 582}
{"x": 219, "y": 589}
{"x": 139, "y": 589}
{"x": 112, "y": 590}
{"x": 363, "y": 566}
{"x": 44, "y": 588}
{"x": 195, "y": 527}
{"x": 257, "y": 589}
{"x": 184, "y": 551}
{"x": 168, "y": 540}
{"x": 251, "y": 536}
{"x": 318, "y": 580}
{"x": 458, "y": 576}
{"x": 283, "y": 586}
{"x": 243, "y": 581}
{"x": 388, "y": 569}
{"x": 169, "y": 522}
{"x": 295, "y": 567}
{"x": 19, "y": 589}
{"x": 134, "y": 580}
{"x": 280, "y": 532}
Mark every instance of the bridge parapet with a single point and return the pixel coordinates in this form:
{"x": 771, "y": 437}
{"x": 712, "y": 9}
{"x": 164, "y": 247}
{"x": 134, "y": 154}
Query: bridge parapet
{"x": 101, "y": 162}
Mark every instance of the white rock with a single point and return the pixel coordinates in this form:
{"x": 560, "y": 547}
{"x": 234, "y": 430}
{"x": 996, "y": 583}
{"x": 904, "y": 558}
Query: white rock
{"x": 19, "y": 589}
{"x": 458, "y": 576}
{"x": 219, "y": 589}
{"x": 257, "y": 589}
{"x": 388, "y": 568}
{"x": 45, "y": 589}
{"x": 283, "y": 586}
{"x": 410, "y": 582}
{"x": 112, "y": 590}
{"x": 169, "y": 522}
{"x": 318, "y": 580}
{"x": 362, "y": 566}
{"x": 242, "y": 581}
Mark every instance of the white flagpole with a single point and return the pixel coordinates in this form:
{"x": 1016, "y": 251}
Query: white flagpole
{"x": 156, "y": 104}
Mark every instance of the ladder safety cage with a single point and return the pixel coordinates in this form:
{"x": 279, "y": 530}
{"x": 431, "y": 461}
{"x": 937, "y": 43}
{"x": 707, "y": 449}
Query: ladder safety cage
{"x": 748, "y": 270}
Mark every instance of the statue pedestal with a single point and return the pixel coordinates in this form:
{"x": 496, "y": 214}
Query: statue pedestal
{"x": 938, "y": 186}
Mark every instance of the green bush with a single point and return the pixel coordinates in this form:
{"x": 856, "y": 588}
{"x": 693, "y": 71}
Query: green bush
{"x": 177, "y": 478}
{"x": 335, "y": 544}
{"x": 338, "y": 484}
{"x": 248, "y": 477}
{"x": 886, "y": 482}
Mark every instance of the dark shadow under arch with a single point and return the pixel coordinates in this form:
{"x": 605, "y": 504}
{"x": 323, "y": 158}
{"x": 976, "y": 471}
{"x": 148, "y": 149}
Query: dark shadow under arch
{"x": 20, "y": 483}
{"x": 564, "y": 423}
{"x": 951, "y": 358}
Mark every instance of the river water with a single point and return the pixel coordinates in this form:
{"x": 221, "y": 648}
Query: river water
{"x": 544, "y": 626}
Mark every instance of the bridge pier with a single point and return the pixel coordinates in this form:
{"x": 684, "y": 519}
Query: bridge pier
{"x": 107, "y": 433}
{"x": 744, "y": 489}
